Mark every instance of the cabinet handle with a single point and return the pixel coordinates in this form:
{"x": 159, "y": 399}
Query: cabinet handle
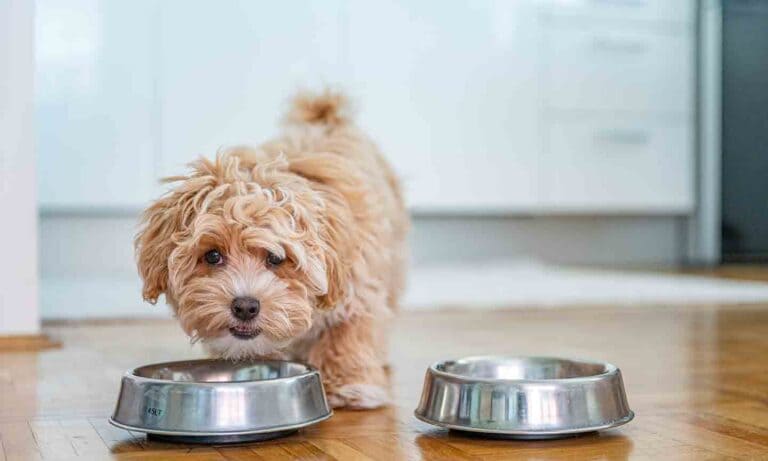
{"x": 618, "y": 45}
{"x": 625, "y": 137}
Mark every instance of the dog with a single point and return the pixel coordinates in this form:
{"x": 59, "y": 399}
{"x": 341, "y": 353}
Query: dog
{"x": 295, "y": 249}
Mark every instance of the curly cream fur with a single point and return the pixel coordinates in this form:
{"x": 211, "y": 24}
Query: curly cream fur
{"x": 320, "y": 196}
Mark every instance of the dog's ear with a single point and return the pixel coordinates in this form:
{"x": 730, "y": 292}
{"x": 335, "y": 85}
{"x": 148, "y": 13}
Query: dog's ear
{"x": 154, "y": 244}
{"x": 322, "y": 250}
{"x": 342, "y": 196}
{"x": 336, "y": 255}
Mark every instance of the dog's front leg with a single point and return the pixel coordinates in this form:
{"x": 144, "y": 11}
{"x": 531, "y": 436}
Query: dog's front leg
{"x": 351, "y": 365}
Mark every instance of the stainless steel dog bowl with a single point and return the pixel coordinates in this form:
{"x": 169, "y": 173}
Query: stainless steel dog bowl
{"x": 218, "y": 401}
{"x": 524, "y": 397}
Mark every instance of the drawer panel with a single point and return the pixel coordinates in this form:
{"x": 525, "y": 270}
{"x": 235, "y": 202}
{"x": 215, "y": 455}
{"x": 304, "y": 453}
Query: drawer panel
{"x": 618, "y": 165}
{"x": 607, "y": 69}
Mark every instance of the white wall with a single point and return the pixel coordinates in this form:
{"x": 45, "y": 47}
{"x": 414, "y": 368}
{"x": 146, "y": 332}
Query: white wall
{"x": 18, "y": 204}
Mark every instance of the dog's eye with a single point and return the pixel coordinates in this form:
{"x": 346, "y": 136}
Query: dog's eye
{"x": 214, "y": 258}
{"x": 274, "y": 260}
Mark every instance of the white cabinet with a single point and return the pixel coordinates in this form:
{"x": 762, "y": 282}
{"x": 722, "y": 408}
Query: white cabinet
{"x": 228, "y": 68}
{"x": 492, "y": 105}
{"x": 618, "y": 164}
{"x": 451, "y": 94}
{"x": 603, "y": 67}
{"x": 94, "y": 103}
{"x": 451, "y": 111}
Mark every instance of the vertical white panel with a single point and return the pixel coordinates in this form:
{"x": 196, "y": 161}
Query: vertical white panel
{"x": 18, "y": 224}
{"x": 95, "y": 99}
{"x": 451, "y": 93}
{"x": 227, "y": 69}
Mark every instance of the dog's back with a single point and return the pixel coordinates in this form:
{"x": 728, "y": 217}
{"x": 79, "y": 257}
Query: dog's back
{"x": 322, "y": 143}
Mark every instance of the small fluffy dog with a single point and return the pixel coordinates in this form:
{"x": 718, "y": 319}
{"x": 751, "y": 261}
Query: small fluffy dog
{"x": 295, "y": 249}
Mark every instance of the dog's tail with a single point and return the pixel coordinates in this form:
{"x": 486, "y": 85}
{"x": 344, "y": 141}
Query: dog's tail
{"x": 329, "y": 108}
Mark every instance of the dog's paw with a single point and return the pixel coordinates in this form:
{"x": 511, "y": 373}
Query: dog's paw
{"x": 359, "y": 397}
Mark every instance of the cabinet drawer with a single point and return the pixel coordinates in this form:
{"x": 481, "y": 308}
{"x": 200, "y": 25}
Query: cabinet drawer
{"x": 607, "y": 69}
{"x": 618, "y": 165}
{"x": 643, "y": 10}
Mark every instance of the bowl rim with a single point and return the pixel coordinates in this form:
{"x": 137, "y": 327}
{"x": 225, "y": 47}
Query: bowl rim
{"x": 610, "y": 369}
{"x": 131, "y": 373}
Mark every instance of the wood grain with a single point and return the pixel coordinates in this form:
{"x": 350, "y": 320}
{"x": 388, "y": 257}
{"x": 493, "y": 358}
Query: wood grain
{"x": 696, "y": 376}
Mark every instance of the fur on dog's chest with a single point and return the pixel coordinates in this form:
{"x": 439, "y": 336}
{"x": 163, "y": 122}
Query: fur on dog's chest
{"x": 298, "y": 349}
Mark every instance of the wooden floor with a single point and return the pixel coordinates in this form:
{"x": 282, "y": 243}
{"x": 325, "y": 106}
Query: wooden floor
{"x": 696, "y": 377}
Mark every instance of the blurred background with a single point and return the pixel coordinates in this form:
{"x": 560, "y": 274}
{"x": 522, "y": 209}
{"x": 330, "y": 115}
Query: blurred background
{"x": 549, "y": 148}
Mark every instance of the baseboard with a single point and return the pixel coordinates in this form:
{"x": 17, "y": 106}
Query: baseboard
{"x": 27, "y": 343}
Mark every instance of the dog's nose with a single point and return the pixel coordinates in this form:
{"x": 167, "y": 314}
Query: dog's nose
{"x": 245, "y": 308}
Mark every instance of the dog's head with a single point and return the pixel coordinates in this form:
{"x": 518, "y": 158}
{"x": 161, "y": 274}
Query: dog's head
{"x": 244, "y": 252}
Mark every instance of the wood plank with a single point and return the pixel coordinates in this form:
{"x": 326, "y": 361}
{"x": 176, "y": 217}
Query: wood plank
{"x": 305, "y": 451}
{"x": 239, "y": 453}
{"x": 173, "y": 455}
{"x": 18, "y": 442}
{"x": 679, "y": 428}
{"x": 338, "y": 449}
{"x": 115, "y": 439}
{"x": 383, "y": 447}
{"x": 51, "y": 439}
{"x": 271, "y": 452}
{"x": 84, "y": 439}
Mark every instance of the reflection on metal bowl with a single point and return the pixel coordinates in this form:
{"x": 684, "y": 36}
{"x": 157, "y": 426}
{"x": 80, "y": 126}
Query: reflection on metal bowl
{"x": 220, "y": 401}
{"x": 524, "y": 397}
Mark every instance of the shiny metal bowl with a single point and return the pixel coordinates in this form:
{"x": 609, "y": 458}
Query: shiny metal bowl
{"x": 219, "y": 401}
{"x": 524, "y": 397}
